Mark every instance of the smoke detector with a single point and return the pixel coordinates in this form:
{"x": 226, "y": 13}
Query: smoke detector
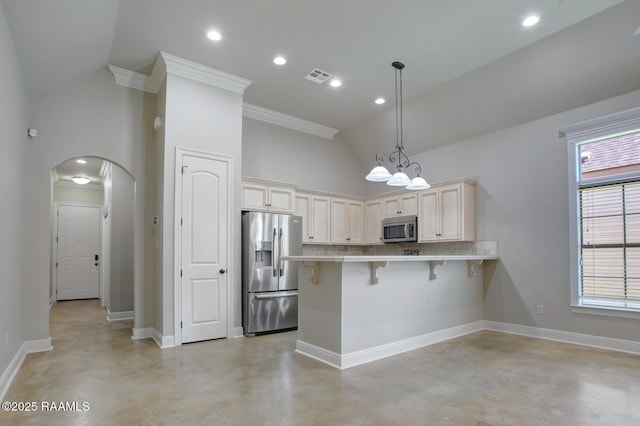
{"x": 318, "y": 76}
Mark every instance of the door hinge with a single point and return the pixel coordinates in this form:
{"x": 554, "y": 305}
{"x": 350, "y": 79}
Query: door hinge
{"x": 181, "y": 221}
{"x": 184, "y": 167}
{"x": 56, "y": 238}
{"x": 56, "y": 264}
{"x": 181, "y": 272}
{"x": 180, "y": 324}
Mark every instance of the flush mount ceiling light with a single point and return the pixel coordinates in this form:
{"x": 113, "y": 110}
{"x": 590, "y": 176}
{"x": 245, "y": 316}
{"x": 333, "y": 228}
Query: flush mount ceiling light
{"x": 279, "y": 60}
{"x": 397, "y": 157}
{"x": 335, "y": 83}
{"x": 214, "y": 35}
{"x": 380, "y": 101}
{"x": 530, "y": 20}
{"x": 81, "y": 180}
{"x": 81, "y": 161}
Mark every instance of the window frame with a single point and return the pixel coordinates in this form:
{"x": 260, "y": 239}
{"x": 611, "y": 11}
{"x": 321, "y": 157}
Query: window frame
{"x": 608, "y": 126}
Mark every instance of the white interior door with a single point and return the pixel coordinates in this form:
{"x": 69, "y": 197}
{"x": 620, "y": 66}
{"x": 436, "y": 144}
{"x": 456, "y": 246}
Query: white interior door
{"x": 78, "y": 246}
{"x": 204, "y": 248}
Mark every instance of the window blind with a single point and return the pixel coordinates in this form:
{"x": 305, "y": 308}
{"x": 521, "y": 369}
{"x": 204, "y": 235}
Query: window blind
{"x": 610, "y": 245}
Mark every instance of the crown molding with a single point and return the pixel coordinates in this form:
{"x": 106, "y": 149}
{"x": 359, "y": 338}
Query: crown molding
{"x": 170, "y": 64}
{"x": 203, "y": 74}
{"x": 133, "y": 80}
{"x": 288, "y": 121}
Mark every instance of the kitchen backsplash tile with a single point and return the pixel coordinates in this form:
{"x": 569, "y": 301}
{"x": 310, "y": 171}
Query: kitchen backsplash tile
{"x": 480, "y": 248}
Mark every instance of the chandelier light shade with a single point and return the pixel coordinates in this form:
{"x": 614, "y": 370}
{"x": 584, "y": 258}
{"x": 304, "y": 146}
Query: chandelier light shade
{"x": 397, "y": 157}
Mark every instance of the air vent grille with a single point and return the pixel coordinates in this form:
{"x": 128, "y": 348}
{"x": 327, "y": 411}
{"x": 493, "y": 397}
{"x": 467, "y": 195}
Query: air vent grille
{"x": 318, "y": 76}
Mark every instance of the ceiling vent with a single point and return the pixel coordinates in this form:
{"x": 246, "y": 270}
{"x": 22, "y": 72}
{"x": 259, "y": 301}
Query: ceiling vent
{"x": 318, "y": 76}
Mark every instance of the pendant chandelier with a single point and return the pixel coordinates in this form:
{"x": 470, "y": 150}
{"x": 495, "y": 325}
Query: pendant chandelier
{"x": 397, "y": 157}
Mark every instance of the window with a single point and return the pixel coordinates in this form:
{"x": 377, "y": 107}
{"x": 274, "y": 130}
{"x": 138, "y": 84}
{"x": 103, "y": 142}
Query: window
{"x": 604, "y": 190}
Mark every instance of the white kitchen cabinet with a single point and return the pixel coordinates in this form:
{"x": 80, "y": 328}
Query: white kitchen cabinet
{"x": 447, "y": 212}
{"x": 400, "y": 205}
{"x": 373, "y": 222}
{"x": 346, "y": 221}
{"x": 265, "y": 197}
{"x": 315, "y": 211}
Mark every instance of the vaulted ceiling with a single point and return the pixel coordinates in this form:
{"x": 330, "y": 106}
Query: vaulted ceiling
{"x": 469, "y": 63}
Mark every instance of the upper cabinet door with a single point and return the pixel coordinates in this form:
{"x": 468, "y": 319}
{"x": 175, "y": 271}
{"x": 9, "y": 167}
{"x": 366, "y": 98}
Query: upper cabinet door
{"x": 281, "y": 199}
{"x": 400, "y": 205}
{"x": 303, "y": 209}
{"x": 321, "y": 213}
{"x": 451, "y": 213}
{"x": 356, "y": 226}
{"x": 408, "y": 204}
{"x": 254, "y": 197}
{"x": 428, "y": 219}
{"x": 339, "y": 221}
{"x": 391, "y": 207}
{"x": 447, "y": 213}
{"x": 373, "y": 222}
{"x": 263, "y": 197}
{"x": 315, "y": 212}
{"x": 346, "y": 221}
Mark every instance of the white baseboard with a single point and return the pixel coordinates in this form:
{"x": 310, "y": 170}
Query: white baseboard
{"x": 609, "y": 343}
{"x": 163, "y": 341}
{"x": 119, "y": 316}
{"x": 142, "y": 333}
{"x": 378, "y": 352}
{"x": 237, "y": 332}
{"x": 10, "y": 372}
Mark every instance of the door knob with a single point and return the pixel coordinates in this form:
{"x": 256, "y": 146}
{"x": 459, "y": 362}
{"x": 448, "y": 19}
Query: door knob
{"x": 222, "y": 271}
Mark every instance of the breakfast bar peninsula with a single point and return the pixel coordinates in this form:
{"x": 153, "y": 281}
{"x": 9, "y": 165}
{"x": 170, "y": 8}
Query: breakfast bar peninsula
{"x": 357, "y": 309}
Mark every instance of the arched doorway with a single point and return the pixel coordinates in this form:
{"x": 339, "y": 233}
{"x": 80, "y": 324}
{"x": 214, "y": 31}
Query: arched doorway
{"x": 92, "y": 249}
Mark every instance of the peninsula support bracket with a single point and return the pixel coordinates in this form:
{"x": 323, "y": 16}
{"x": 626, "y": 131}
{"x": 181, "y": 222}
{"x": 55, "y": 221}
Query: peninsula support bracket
{"x": 315, "y": 271}
{"x": 433, "y": 265}
{"x": 374, "y": 270}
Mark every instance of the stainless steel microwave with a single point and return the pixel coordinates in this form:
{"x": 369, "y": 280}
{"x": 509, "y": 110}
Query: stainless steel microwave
{"x": 400, "y": 229}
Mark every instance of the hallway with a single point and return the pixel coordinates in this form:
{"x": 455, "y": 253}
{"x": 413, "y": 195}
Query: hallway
{"x": 485, "y": 378}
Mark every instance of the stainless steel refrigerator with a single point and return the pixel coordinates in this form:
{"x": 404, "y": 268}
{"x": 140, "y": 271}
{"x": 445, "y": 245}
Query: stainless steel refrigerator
{"x": 269, "y": 285}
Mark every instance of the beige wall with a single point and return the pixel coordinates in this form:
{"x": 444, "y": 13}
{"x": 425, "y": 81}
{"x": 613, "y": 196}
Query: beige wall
{"x": 77, "y": 194}
{"x": 277, "y": 153}
{"x": 13, "y": 144}
{"x": 88, "y": 117}
{"x": 523, "y": 201}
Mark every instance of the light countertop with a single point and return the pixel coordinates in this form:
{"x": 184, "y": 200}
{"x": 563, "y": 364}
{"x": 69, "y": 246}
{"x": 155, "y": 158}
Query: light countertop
{"x": 386, "y": 258}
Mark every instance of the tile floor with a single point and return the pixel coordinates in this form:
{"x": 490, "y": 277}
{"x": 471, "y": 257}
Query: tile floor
{"x": 485, "y": 378}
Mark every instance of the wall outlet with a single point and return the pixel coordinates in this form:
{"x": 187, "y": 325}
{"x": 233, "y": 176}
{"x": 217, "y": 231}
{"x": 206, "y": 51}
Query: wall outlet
{"x": 541, "y": 309}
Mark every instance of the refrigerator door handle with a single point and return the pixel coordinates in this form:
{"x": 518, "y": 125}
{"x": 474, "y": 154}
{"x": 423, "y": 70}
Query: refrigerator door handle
{"x": 280, "y": 264}
{"x": 275, "y": 264}
{"x": 275, "y": 294}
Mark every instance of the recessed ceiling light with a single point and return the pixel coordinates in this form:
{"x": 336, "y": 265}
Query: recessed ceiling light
{"x": 81, "y": 180}
{"x": 530, "y": 20}
{"x": 380, "y": 101}
{"x": 335, "y": 83}
{"x": 279, "y": 60}
{"x": 81, "y": 161}
{"x": 214, "y": 35}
